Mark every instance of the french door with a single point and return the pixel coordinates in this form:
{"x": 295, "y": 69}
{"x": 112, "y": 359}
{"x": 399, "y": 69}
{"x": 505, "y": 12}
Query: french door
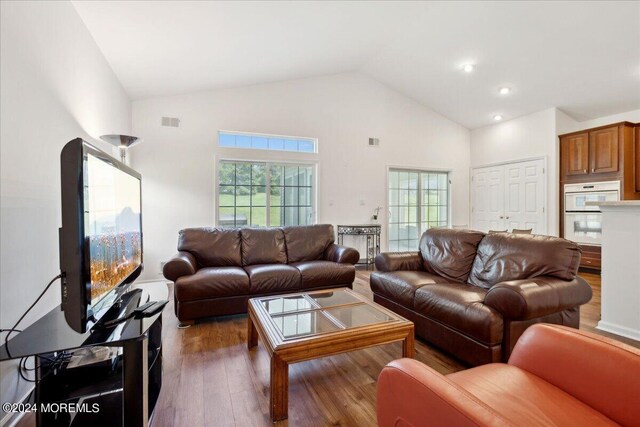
{"x": 509, "y": 196}
{"x": 418, "y": 200}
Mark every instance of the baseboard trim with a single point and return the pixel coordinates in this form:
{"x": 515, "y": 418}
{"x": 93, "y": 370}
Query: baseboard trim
{"x": 11, "y": 419}
{"x": 623, "y": 331}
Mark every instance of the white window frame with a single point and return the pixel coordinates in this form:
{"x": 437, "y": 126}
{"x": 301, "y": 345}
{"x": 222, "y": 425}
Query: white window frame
{"x": 267, "y": 135}
{"x": 393, "y": 168}
{"x": 314, "y": 195}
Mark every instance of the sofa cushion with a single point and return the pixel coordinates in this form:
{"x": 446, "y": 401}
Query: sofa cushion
{"x": 211, "y": 247}
{"x": 503, "y": 257}
{"x": 449, "y": 252}
{"x": 307, "y": 243}
{"x": 460, "y": 307}
{"x": 212, "y": 282}
{"x": 263, "y": 246}
{"x": 325, "y": 273}
{"x": 273, "y": 278}
{"x": 400, "y": 286}
{"x": 530, "y": 398}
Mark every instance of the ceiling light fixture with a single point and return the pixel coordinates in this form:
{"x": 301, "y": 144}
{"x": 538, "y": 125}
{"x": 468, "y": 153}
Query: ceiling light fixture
{"x": 505, "y": 90}
{"x": 467, "y": 68}
{"x": 497, "y": 117}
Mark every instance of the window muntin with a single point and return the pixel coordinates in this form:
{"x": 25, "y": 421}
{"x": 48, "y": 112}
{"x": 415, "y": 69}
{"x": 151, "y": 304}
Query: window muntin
{"x": 256, "y": 141}
{"x": 261, "y": 194}
{"x": 418, "y": 200}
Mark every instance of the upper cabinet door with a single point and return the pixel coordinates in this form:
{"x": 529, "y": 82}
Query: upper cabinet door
{"x": 575, "y": 154}
{"x": 604, "y": 150}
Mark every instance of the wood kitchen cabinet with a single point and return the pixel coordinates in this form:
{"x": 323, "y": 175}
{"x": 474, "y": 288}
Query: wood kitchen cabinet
{"x": 603, "y": 150}
{"x": 590, "y": 153}
{"x": 575, "y": 154}
{"x": 605, "y": 153}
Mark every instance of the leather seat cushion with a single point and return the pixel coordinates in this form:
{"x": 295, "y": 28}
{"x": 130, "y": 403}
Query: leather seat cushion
{"x": 263, "y": 246}
{"x": 503, "y": 257}
{"x": 212, "y": 247}
{"x": 400, "y": 286}
{"x": 531, "y": 400}
{"x": 273, "y": 278}
{"x": 449, "y": 252}
{"x": 212, "y": 282}
{"x": 325, "y": 273}
{"x": 307, "y": 243}
{"x": 460, "y": 307}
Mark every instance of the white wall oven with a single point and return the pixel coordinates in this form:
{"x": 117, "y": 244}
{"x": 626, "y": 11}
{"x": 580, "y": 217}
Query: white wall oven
{"x": 583, "y": 223}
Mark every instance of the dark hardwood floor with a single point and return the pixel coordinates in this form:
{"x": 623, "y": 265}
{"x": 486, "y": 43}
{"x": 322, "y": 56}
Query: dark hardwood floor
{"x": 211, "y": 379}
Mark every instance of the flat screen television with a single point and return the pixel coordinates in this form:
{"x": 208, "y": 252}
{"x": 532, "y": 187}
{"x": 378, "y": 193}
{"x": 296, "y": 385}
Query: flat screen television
{"x": 101, "y": 234}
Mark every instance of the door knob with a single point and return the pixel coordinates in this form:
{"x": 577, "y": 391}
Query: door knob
{"x": 501, "y": 217}
{"x": 507, "y": 217}
{"x": 584, "y": 171}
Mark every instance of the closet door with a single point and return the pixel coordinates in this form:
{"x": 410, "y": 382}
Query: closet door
{"x": 487, "y": 199}
{"x": 524, "y": 196}
{"x": 509, "y": 196}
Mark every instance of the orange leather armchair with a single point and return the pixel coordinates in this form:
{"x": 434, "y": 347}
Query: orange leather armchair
{"x": 556, "y": 376}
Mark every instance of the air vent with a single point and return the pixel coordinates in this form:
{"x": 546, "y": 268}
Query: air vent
{"x": 173, "y": 122}
{"x": 374, "y": 142}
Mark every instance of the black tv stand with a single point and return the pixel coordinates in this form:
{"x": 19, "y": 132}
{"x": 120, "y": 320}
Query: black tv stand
{"x": 124, "y": 386}
{"x": 119, "y": 312}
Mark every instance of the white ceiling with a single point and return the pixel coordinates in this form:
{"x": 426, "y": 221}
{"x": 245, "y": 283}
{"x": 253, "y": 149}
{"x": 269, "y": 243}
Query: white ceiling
{"x": 583, "y": 57}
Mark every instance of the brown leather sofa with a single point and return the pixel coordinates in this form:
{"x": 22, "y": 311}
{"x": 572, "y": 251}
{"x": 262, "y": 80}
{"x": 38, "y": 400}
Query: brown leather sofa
{"x": 556, "y": 376}
{"x": 473, "y": 295}
{"x": 216, "y": 271}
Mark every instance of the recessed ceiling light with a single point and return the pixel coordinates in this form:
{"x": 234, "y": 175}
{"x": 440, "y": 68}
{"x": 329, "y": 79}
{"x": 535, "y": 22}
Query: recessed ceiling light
{"x": 497, "y": 117}
{"x": 467, "y": 68}
{"x": 505, "y": 90}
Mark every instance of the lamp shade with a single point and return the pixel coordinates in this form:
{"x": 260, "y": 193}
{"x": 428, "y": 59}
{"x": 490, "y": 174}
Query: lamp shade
{"x": 122, "y": 141}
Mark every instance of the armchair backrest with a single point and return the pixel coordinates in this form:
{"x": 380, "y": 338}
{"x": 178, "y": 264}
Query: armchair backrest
{"x": 602, "y": 373}
{"x": 504, "y": 256}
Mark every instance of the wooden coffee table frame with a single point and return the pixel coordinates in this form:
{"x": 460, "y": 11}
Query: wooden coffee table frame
{"x": 284, "y": 352}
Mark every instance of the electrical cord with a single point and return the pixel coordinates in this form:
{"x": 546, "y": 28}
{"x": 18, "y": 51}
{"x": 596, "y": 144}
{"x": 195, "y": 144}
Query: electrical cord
{"x": 14, "y": 328}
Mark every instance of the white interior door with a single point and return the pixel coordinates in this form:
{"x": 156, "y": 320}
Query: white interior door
{"x": 487, "y": 198}
{"x": 509, "y": 196}
{"x": 524, "y": 199}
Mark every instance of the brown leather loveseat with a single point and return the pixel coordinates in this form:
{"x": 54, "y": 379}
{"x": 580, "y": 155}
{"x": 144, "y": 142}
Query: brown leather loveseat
{"x": 216, "y": 271}
{"x": 473, "y": 295}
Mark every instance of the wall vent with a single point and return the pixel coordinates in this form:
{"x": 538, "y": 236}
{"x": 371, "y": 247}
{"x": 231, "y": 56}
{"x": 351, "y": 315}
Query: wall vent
{"x": 173, "y": 122}
{"x": 374, "y": 142}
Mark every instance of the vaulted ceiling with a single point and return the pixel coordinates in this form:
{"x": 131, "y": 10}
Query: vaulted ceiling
{"x": 582, "y": 57}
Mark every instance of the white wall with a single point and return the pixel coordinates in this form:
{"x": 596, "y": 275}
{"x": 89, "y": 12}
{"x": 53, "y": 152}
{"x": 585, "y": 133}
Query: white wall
{"x": 525, "y": 137}
{"x": 55, "y": 86}
{"x": 566, "y": 124}
{"x": 342, "y": 111}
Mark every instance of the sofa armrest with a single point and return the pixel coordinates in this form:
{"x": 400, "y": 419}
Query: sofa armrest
{"x": 536, "y": 297}
{"x": 182, "y": 264}
{"x": 412, "y": 394}
{"x": 394, "y": 261}
{"x": 341, "y": 254}
{"x": 598, "y": 371}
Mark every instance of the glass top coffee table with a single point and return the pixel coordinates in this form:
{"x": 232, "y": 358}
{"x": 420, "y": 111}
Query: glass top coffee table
{"x": 314, "y": 324}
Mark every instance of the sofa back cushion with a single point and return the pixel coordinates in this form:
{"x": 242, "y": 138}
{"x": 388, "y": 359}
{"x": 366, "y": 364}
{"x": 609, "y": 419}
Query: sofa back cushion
{"x": 506, "y": 256}
{"x": 449, "y": 252}
{"x": 212, "y": 247}
{"x": 308, "y": 242}
{"x": 263, "y": 246}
